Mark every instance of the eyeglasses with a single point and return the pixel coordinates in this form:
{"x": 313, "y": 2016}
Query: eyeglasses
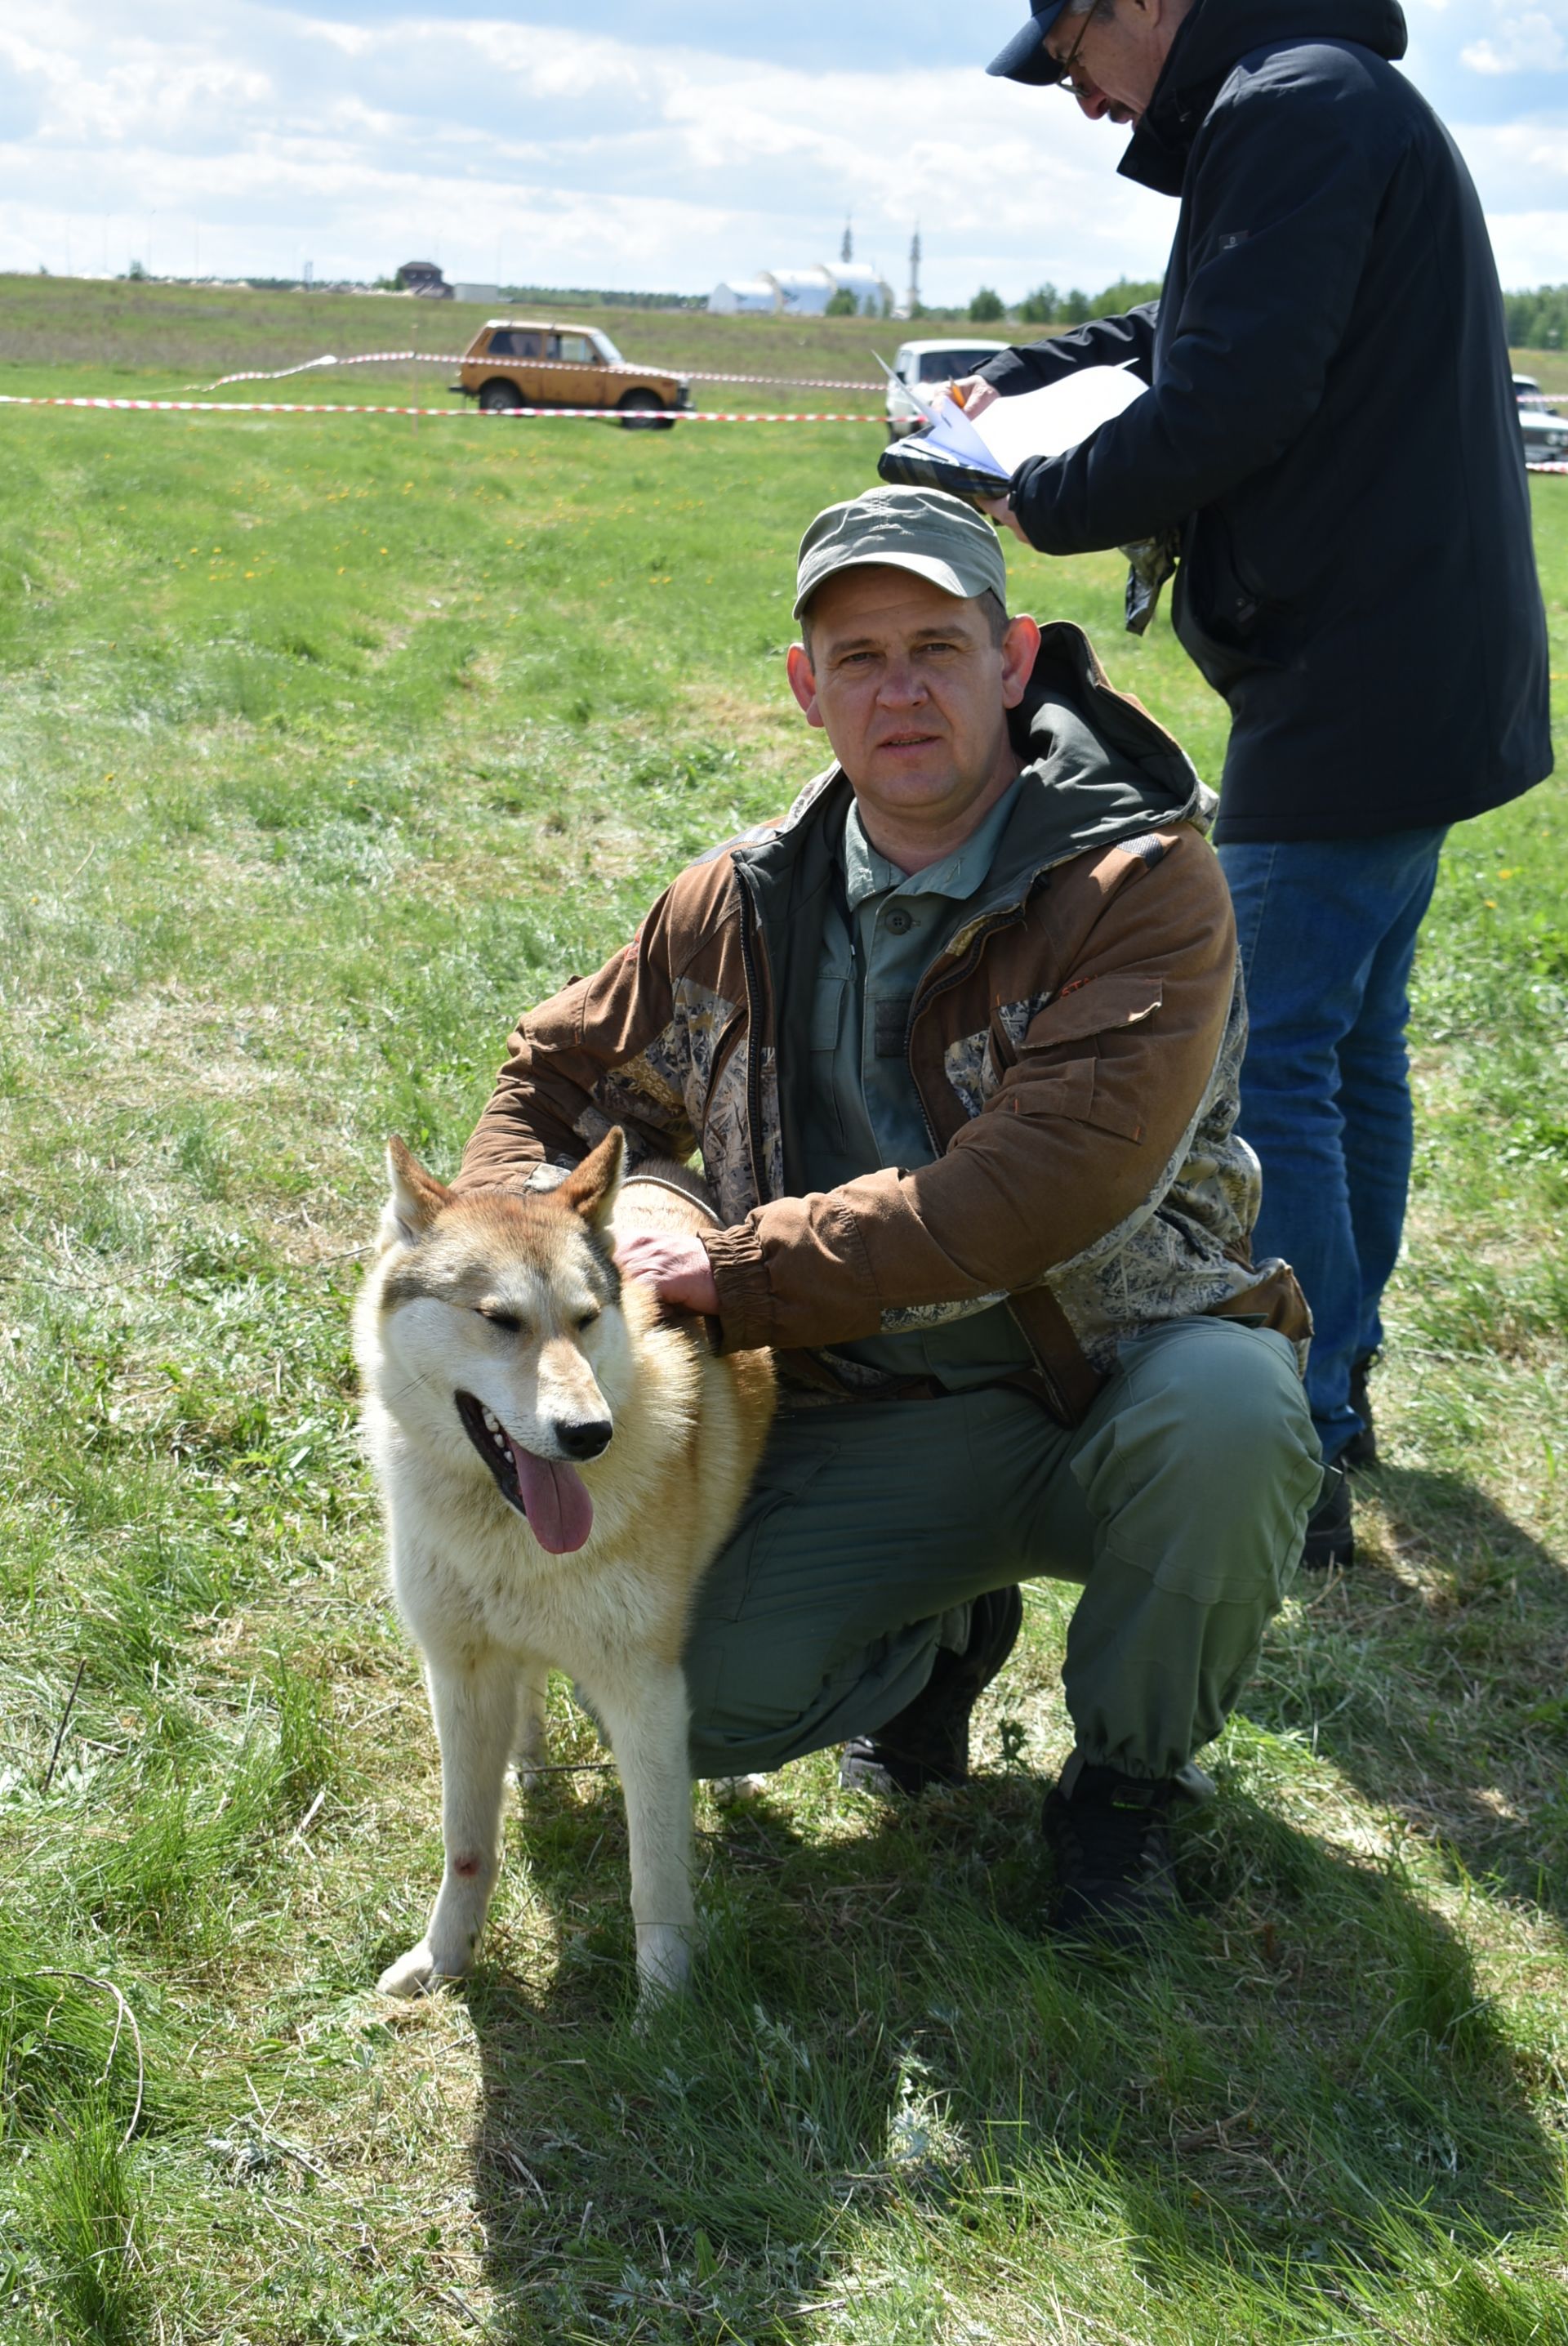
{"x": 1069, "y": 80}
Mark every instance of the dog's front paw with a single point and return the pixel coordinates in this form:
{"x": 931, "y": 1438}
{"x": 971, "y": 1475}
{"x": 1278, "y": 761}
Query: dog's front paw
{"x": 415, "y": 1974}
{"x": 737, "y": 1788}
{"x": 664, "y": 1964}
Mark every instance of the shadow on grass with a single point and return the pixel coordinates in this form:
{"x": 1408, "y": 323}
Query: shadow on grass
{"x": 1435, "y": 1675}
{"x": 886, "y": 2074}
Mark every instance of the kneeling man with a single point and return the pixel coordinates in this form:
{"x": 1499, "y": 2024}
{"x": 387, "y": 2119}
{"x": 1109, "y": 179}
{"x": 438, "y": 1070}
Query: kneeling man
{"x": 958, "y": 1039}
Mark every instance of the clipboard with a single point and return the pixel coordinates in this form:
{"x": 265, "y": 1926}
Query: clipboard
{"x": 909, "y": 464}
{"x": 973, "y": 461}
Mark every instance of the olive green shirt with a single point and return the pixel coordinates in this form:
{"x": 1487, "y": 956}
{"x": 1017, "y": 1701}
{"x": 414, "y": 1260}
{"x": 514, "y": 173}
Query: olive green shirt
{"x": 864, "y": 1112}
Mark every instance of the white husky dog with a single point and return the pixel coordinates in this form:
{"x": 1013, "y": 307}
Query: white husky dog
{"x": 558, "y": 1465}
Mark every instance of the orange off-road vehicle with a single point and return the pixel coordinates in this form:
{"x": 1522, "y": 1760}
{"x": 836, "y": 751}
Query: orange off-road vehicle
{"x": 529, "y": 362}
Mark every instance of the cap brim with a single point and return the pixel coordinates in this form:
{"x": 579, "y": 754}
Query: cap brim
{"x": 1026, "y": 58}
{"x": 924, "y": 566}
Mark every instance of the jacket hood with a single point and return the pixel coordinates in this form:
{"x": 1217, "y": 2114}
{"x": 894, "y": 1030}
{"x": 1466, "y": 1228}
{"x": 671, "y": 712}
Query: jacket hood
{"x": 1208, "y": 44}
{"x": 1100, "y": 767}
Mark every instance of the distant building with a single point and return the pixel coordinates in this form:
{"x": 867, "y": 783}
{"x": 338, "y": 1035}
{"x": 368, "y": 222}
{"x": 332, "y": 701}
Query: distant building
{"x": 756, "y": 294}
{"x": 489, "y": 294}
{"x": 911, "y": 299}
{"x": 804, "y": 292}
{"x": 746, "y": 294}
{"x": 424, "y": 278}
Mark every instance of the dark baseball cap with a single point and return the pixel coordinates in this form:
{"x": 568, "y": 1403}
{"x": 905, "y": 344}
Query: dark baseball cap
{"x": 937, "y": 536}
{"x": 1026, "y": 58}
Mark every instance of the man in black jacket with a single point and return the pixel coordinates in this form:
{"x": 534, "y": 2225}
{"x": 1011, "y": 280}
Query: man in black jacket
{"x": 1329, "y": 433}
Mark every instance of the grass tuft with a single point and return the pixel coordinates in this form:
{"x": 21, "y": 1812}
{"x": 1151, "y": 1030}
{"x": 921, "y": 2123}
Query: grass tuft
{"x": 308, "y": 1752}
{"x": 91, "y": 2222}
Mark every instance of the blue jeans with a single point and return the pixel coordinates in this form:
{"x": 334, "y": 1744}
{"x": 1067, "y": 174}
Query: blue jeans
{"x": 1327, "y": 931}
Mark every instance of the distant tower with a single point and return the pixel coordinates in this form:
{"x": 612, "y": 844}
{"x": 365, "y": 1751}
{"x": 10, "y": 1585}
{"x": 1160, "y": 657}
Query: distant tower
{"x": 912, "y": 299}
{"x": 847, "y": 250}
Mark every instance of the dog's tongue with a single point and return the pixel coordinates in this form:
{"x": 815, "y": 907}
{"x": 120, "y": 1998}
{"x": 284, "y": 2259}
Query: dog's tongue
{"x": 560, "y": 1512}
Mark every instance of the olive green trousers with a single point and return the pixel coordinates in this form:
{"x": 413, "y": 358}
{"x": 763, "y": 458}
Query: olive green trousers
{"x": 1179, "y": 1504}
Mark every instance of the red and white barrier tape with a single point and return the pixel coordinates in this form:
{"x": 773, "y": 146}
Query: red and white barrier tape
{"x": 435, "y": 358}
{"x": 783, "y": 382}
{"x": 641, "y": 417}
{"x": 493, "y": 414}
{"x": 364, "y": 358}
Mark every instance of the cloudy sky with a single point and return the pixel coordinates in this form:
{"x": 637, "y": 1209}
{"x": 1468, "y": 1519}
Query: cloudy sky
{"x": 661, "y": 146}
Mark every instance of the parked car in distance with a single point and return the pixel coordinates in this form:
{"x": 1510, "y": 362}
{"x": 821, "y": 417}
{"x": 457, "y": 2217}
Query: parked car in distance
{"x": 921, "y": 369}
{"x": 535, "y": 363}
{"x": 1545, "y": 432}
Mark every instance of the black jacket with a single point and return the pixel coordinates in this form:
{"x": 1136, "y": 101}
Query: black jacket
{"x": 1330, "y": 422}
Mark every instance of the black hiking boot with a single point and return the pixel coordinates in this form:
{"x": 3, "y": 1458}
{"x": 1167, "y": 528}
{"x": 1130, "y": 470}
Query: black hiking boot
{"x": 1109, "y": 1834}
{"x": 927, "y": 1742}
{"x": 1361, "y": 1450}
{"x": 1330, "y": 1533}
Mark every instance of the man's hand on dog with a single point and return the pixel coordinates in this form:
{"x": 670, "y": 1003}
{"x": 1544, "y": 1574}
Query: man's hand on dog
{"x": 678, "y": 1267}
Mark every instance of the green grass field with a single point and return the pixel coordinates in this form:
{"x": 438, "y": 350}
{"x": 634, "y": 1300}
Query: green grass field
{"x": 126, "y": 335}
{"x": 327, "y": 745}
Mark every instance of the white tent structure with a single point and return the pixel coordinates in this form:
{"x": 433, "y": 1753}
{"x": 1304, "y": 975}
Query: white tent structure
{"x": 804, "y": 292}
{"x": 757, "y": 295}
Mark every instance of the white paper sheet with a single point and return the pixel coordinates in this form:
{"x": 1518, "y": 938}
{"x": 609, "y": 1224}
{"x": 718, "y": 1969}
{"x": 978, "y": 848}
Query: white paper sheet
{"x": 1037, "y": 422}
{"x": 952, "y": 434}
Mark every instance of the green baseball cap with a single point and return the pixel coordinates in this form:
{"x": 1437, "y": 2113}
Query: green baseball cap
{"x": 937, "y": 536}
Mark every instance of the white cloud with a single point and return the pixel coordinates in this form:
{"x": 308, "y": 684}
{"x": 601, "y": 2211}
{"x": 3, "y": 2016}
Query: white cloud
{"x": 1529, "y": 40}
{"x": 538, "y": 154}
{"x": 1529, "y": 247}
{"x": 1521, "y": 167}
{"x": 245, "y": 138}
{"x": 1535, "y": 47}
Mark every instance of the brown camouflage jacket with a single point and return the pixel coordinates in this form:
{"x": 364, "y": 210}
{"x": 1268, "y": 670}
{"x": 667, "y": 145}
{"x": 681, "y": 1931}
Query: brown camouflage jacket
{"x": 1076, "y": 1049}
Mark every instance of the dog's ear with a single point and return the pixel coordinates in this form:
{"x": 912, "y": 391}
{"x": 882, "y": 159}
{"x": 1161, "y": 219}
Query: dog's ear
{"x": 415, "y": 1197}
{"x": 592, "y": 1190}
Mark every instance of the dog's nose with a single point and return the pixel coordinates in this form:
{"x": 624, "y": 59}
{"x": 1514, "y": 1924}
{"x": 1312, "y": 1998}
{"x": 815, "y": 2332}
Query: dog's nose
{"x": 583, "y": 1437}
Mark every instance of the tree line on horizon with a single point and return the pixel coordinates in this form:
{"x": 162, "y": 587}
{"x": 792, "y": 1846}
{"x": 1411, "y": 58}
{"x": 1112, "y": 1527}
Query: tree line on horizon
{"x": 1046, "y": 307}
{"x": 1536, "y": 320}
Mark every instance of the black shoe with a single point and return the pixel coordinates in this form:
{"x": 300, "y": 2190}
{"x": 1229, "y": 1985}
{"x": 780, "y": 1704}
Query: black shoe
{"x": 1330, "y": 1533}
{"x": 928, "y": 1741}
{"x": 1361, "y": 1450}
{"x": 1110, "y": 1837}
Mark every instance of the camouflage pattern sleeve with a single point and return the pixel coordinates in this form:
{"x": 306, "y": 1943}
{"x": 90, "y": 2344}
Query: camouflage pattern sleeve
{"x": 608, "y": 1049}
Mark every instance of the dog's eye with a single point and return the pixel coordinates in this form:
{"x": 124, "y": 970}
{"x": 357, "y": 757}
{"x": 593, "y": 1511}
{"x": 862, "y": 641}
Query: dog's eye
{"x": 505, "y": 1320}
{"x": 586, "y": 1319}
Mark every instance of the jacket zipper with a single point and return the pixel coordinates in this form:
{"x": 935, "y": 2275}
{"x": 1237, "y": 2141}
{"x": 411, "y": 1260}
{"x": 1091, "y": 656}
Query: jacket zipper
{"x": 1000, "y": 919}
{"x": 924, "y": 994}
{"x": 753, "y": 1039}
